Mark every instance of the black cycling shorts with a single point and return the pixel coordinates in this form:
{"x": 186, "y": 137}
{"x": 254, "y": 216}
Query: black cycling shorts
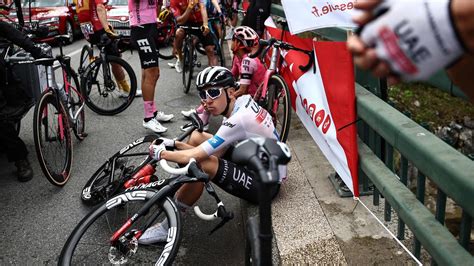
{"x": 205, "y": 40}
{"x": 109, "y": 49}
{"x": 144, "y": 40}
{"x": 239, "y": 181}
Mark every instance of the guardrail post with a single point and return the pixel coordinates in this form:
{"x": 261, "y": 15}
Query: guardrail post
{"x": 420, "y": 195}
{"x": 465, "y": 232}
{"x": 403, "y": 179}
{"x": 389, "y": 163}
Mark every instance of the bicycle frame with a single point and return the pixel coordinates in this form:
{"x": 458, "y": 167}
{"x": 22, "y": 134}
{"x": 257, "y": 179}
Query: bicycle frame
{"x": 262, "y": 91}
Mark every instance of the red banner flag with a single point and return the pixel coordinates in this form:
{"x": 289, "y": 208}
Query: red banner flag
{"x": 325, "y": 100}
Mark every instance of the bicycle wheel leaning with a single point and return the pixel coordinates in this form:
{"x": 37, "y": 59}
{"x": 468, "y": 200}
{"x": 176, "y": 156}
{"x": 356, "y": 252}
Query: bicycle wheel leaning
{"x": 102, "y": 92}
{"x": 108, "y": 179}
{"x": 52, "y": 136}
{"x": 188, "y": 65}
{"x": 90, "y": 242}
{"x": 279, "y": 105}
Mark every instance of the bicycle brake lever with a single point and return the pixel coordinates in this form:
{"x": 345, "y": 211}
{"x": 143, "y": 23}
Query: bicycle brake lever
{"x": 226, "y": 216}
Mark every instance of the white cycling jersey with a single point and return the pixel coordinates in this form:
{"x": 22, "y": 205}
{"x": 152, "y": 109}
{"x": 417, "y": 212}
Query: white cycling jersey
{"x": 247, "y": 120}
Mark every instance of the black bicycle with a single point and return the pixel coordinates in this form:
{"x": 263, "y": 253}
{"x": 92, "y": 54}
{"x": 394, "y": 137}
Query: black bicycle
{"x": 128, "y": 167}
{"x": 108, "y": 83}
{"x": 263, "y": 157}
{"x": 189, "y": 56}
{"x": 110, "y": 232}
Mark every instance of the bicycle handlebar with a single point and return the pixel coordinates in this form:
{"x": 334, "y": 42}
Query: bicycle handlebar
{"x": 184, "y": 27}
{"x": 285, "y": 46}
{"x": 207, "y": 217}
{"x": 178, "y": 171}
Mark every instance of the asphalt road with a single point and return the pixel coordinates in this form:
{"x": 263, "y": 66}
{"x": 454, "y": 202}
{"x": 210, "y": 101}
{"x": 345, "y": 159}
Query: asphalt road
{"x": 36, "y": 217}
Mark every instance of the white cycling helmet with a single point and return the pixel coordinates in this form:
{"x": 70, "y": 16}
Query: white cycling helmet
{"x": 246, "y": 35}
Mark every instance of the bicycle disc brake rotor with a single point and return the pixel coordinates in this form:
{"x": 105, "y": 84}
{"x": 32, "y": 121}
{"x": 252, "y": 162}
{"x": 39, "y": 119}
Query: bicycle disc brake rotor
{"x": 130, "y": 247}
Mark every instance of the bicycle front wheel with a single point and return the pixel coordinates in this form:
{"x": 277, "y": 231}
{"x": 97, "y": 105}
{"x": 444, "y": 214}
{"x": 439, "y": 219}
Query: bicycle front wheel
{"x": 111, "y": 92}
{"x": 166, "y": 39}
{"x": 188, "y": 65}
{"x": 279, "y": 105}
{"x": 87, "y": 55}
{"x": 52, "y": 136}
{"x": 108, "y": 179}
{"x": 90, "y": 242}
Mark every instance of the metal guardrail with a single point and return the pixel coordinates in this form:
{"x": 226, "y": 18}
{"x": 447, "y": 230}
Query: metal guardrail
{"x": 390, "y": 134}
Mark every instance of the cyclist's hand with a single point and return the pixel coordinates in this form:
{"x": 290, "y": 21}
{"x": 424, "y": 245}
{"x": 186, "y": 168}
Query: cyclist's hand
{"x": 192, "y": 4}
{"x": 169, "y": 143}
{"x": 155, "y": 150}
{"x": 205, "y": 30}
{"x": 111, "y": 34}
{"x": 396, "y": 41}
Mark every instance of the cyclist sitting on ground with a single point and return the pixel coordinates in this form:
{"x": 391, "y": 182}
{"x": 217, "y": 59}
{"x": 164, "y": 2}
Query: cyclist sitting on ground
{"x": 250, "y": 70}
{"x": 144, "y": 32}
{"x": 243, "y": 119}
{"x": 192, "y": 13}
{"x": 92, "y": 16}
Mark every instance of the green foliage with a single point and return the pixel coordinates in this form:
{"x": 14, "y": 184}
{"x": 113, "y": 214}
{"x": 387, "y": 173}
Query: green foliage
{"x": 428, "y": 105}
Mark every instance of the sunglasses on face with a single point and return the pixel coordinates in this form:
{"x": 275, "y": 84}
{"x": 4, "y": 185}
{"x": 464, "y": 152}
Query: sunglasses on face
{"x": 212, "y": 93}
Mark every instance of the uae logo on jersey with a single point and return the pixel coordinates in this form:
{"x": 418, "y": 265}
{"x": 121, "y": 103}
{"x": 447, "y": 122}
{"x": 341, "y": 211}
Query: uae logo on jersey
{"x": 215, "y": 141}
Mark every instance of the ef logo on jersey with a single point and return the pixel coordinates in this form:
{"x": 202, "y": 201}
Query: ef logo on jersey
{"x": 144, "y": 45}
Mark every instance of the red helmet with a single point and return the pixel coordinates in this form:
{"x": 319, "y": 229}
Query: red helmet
{"x": 246, "y": 35}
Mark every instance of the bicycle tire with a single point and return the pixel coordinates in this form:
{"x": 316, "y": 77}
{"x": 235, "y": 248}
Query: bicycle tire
{"x": 188, "y": 66}
{"x": 87, "y": 53}
{"x": 99, "y": 186}
{"x": 278, "y": 92}
{"x": 76, "y": 101}
{"x": 221, "y": 52}
{"x": 95, "y": 93}
{"x": 47, "y": 104}
{"x": 165, "y": 49}
{"x": 94, "y": 231}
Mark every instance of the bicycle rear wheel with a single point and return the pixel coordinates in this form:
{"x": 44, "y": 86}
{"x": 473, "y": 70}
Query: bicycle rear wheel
{"x": 188, "y": 65}
{"x": 52, "y": 136}
{"x": 105, "y": 96}
{"x": 279, "y": 105}
{"x": 108, "y": 179}
{"x": 90, "y": 244}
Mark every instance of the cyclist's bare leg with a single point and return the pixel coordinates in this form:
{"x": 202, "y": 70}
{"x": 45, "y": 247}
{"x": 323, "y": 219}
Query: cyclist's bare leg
{"x": 189, "y": 193}
{"x": 211, "y": 57}
{"x": 178, "y": 43}
{"x": 118, "y": 72}
{"x": 149, "y": 78}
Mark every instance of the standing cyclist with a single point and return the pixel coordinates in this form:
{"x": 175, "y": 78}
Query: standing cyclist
{"x": 192, "y": 13}
{"x": 144, "y": 31}
{"x": 92, "y": 16}
{"x": 243, "y": 119}
{"x": 11, "y": 106}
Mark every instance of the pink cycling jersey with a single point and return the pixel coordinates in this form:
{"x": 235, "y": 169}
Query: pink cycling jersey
{"x": 251, "y": 72}
{"x": 143, "y": 11}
